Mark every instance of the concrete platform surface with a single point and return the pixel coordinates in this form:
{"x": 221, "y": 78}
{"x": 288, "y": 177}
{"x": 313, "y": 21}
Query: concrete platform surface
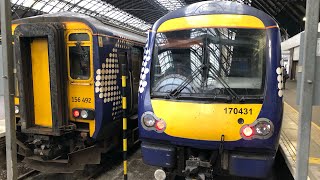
{"x": 1, "y": 107}
{"x": 288, "y": 142}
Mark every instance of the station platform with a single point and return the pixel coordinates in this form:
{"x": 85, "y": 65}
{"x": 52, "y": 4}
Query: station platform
{"x": 289, "y": 133}
{"x": 2, "y": 128}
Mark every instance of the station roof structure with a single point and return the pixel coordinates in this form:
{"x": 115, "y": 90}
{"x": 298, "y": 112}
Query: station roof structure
{"x": 139, "y": 15}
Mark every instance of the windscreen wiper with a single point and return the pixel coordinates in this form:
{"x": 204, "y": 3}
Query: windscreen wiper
{"x": 82, "y": 52}
{"x": 174, "y": 93}
{"x": 223, "y": 82}
{"x": 251, "y": 98}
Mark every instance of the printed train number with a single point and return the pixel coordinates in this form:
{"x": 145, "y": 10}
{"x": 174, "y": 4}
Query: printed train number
{"x": 238, "y": 111}
{"x": 78, "y": 99}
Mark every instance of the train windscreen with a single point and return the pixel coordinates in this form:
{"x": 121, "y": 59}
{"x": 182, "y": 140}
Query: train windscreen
{"x": 209, "y": 62}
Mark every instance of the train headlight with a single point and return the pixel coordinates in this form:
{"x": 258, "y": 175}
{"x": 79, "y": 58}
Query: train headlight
{"x": 152, "y": 123}
{"x": 263, "y": 128}
{"x": 160, "y": 125}
{"x": 76, "y": 113}
{"x": 16, "y": 109}
{"x": 87, "y": 114}
{"x": 84, "y": 114}
{"x": 247, "y": 131}
{"x": 149, "y": 120}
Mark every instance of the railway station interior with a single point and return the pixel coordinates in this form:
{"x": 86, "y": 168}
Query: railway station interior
{"x": 160, "y": 89}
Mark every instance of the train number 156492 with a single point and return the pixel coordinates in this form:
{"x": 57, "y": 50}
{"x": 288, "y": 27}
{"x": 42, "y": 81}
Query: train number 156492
{"x": 81, "y": 99}
{"x": 238, "y": 110}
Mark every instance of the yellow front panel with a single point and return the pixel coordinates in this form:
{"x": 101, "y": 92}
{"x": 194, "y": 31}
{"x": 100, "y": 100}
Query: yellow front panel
{"x": 213, "y": 20}
{"x": 199, "y": 121}
{"x": 80, "y": 92}
{"x": 81, "y": 96}
{"x": 41, "y": 82}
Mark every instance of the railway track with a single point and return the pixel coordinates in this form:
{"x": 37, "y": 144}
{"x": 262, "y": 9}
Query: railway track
{"x": 28, "y": 174}
{"x": 91, "y": 172}
{"x": 109, "y": 161}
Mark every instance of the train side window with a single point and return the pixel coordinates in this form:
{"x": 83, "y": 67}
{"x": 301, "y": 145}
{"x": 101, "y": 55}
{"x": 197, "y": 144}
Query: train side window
{"x": 79, "y": 57}
{"x": 79, "y": 37}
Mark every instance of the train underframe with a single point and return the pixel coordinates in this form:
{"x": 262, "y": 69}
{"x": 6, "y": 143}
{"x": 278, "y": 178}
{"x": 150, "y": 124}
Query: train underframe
{"x": 203, "y": 164}
{"x": 63, "y": 154}
{"x": 71, "y": 151}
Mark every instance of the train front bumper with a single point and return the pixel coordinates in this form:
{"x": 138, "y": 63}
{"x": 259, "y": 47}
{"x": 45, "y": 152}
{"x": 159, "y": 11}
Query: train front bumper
{"x": 243, "y": 164}
{"x": 250, "y": 164}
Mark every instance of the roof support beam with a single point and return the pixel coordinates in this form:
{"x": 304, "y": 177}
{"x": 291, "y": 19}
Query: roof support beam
{"x": 260, "y": 6}
{"x": 278, "y": 4}
{"x": 270, "y": 9}
{"x": 293, "y": 11}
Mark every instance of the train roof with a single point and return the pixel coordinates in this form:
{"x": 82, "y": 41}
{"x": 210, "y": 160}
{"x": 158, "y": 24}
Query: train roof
{"x": 216, "y": 7}
{"x": 96, "y": 26}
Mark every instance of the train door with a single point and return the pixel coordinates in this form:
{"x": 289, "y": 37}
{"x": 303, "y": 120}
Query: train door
{"x": 136, "y": 60}
{"x": 80, "y": 75}
{"x": 40, "y": 59}
{"x": 41, "y": 82}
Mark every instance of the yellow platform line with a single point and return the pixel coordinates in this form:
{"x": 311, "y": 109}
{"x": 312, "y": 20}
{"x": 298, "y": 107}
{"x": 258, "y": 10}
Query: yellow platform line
{"x": 314, "y": 124}
{"x": 313, "y": 160}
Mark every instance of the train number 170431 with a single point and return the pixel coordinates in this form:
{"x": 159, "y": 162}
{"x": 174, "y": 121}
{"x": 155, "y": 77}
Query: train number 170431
{"x": 238, "y": 110}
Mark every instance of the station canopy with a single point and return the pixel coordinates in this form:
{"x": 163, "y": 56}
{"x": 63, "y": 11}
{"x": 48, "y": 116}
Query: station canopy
{"x": 139, "y": 15}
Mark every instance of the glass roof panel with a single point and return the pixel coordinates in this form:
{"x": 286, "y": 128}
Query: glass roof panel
{"x": 60, "y": 5}
{"x": 28, "y": 3}
{"x": 54, "y": 10}
{"x": 38, "y": 5}
{"x": 83, "y": 3}
{"x": 47, "y": 8}
{"x": 96, "y": 8}
{"x": 171, "y": 4}
{"x": 14, "y": 1}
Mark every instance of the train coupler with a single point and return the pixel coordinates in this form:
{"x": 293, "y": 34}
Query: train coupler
{"x": 196, "y": 168}
{"x": 221, "y": 147}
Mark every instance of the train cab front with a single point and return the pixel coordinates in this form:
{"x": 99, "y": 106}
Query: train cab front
{"x": 55, "y": 106}
{"x": 210, "y": 98}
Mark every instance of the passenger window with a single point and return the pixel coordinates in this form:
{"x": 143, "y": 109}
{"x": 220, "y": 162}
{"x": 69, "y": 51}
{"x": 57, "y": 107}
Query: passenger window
{"x": 79, "y": 37}
{"x": 79, "y": 57}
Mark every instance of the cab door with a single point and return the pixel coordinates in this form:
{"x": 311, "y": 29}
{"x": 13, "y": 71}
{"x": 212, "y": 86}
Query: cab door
{"x": 136, "y": 61}
{"x": 80, "y": 75}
